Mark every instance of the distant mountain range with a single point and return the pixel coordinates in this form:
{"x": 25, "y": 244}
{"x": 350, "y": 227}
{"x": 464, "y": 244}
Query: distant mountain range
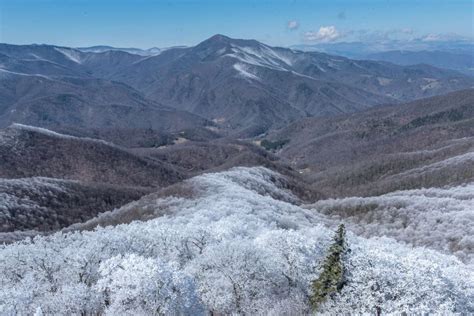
{"x": 454, "y": 55}
{"x": 462, "y": 62}
{"x": 230, "y": 86}
{"x": 136, "y": 51}
{"x": 359, "y": 49}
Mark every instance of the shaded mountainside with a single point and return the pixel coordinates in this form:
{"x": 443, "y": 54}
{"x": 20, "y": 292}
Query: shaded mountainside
{"x": 28, "y": 152}
{"x": 429, "y": 142}
{"x": 143, "y": 137}
{"x": 244, "y": 86}
{"x": 85, "y": 104}
{"x": 196, "y": 157}
{"x": 47, "y": 204}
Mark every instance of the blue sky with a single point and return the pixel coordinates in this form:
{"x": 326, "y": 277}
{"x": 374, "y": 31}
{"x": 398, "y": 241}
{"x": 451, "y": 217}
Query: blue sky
{"x": 147, "y": 23}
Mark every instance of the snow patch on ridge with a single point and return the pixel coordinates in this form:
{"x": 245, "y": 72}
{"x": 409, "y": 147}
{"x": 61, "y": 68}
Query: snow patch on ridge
{"x": 4, "y": 73}
{"x": 58, "y": 135}
{"x": 263, "y": 57}
{"x": 41, "y": 130}
{"x": 70, "y": 54}
{"x": 244, "y": 72}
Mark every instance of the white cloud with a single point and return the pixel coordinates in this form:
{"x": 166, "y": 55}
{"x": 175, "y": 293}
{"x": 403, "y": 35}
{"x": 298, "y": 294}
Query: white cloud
{"x": 324, "y": 34}
{"x": 293, "y": 25}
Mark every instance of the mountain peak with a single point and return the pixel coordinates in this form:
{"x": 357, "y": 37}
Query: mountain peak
{"x": 222, "y": 40}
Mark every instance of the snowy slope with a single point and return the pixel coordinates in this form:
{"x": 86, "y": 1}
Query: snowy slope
{"x": 436, "y": 218}
{"x": 71, "y": 54}
{"x": 263, "y": 56}
{"x": 238, "y": 244}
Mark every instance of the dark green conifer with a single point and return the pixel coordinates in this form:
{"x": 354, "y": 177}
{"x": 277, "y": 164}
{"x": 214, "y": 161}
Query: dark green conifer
{"x": 331, "y": 279}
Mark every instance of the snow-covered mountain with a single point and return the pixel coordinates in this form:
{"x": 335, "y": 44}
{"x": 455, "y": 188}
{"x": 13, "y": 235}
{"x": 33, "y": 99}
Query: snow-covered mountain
{"x": 237, "y": 243}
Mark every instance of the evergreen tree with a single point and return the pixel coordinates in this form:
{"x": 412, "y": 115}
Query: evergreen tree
{"x": 331, "y": 279}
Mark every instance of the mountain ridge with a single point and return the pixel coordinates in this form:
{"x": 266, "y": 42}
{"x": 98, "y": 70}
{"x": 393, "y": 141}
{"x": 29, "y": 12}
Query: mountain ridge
{"x": 244, "y": 86}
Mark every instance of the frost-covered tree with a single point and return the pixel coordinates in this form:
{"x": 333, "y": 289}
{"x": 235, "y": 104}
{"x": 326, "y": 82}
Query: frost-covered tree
{"x": 383, "y": 277}
{"x": 438, "y": 218}
{"x": 240, "y": 245}
{"x": 134, "y": 285}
